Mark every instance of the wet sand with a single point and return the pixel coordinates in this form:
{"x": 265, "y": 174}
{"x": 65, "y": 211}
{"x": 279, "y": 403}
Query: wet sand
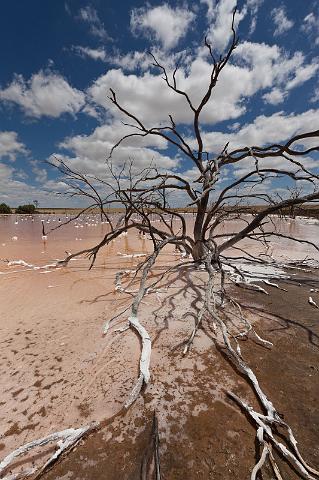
{"x": 59, "y": 371}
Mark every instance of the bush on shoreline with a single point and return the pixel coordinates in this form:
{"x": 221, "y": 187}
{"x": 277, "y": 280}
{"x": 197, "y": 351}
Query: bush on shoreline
{"x": 4, "y": 208}
{"x": 29, "y": 209}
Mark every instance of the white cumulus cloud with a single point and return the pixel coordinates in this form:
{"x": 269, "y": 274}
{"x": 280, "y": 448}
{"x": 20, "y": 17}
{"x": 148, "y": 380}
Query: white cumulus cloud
{"x": 164, "y": 24}
{"x": 275, "y": 96}
{"x": 255, "y": 68}
{"x": 219, "y": 16}
{"x": 264, "y": 130}
{"x": 10, "y": 145}
{"x": 88, "y": 153}
{"x": 16, "y": 190}
{"x": 40, "y": 174}
{"x": 44, "y": 94}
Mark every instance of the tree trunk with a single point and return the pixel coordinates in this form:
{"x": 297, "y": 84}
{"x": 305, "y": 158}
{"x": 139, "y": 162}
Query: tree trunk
{"x": 199, "y": 250}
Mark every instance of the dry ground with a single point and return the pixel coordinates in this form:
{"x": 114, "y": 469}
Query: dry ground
{"x": 202, "y": 434}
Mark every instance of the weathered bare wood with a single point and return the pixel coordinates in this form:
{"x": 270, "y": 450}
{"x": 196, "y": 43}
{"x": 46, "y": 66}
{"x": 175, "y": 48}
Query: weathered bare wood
{"x": 65, "y": 440}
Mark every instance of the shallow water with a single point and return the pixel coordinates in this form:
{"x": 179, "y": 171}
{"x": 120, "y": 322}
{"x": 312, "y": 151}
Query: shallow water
{"x": 21, "y": 237}
{"x": 277, "y": 247}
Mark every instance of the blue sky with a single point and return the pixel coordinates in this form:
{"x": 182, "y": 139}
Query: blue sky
{"x": 59, "y": 59}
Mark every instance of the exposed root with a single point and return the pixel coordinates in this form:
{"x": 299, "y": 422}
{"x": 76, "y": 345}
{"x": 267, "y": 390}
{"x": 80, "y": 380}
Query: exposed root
{"x": 134, "y": 322}
{"x": 251, "y": 286}
{"x": 118, "y": 280}
{"x": 145, "y": 359}
{"x": 264, "y": 424}
{"x": 132, "y": 255}
{"x": 22, "y": 263}
{"x": 65, "y": 440}
{"x": 249, "y": 330}
{"x": 266, "y": 452}
{"x": 312, "y": 302}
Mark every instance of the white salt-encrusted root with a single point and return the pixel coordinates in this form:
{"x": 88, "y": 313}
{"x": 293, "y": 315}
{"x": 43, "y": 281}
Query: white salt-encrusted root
{"x": 64, "y": 439}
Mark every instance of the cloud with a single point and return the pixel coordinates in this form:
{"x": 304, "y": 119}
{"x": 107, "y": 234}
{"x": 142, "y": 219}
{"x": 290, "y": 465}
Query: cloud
{"x": 15, "y": 191}
{"x": 89, "y": 152}
{"x": 89, "y": 15}
{"x": 253, "y": 7}
{"x": 303, "y": 74}
{"x": 67, "y": 8}
{"x": 211, "y": 5}
{"x": 148, "y": 97}
{"x": 274, "y": 68}
{"x": 315, "y": 96}
{"x": 5, "y": 173}
{"x": 294, "y": 77}
{"x": 40, "y": 174}
{"x": 219, "y": 17}
{"x": 10, "y": 146}
{"x": 163, "y": 23}
{"x": 104, "y": 137}
{"x": 93, "y": 53}
{"x": 44, "y": 94}
{"x": 255, "y": 68}
{"x": 131, "y": 61}
{"x": 248, "y": 165}
{"x": 281, "y": 21}
{"x": 310, "y": 26}
{"x": 275, "y": 96}
{"x": 264, "y": 130}
{"x": 91, "y": 111}
{"x": 142, "y": 60}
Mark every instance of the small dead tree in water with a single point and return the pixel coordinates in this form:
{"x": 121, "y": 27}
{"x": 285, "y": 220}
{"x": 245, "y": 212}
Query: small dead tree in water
{"x": 218, "y": 239}
{"x": 294, "y": 192}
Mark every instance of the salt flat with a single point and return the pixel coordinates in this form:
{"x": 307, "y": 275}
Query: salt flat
{"x": 59, "y": 371}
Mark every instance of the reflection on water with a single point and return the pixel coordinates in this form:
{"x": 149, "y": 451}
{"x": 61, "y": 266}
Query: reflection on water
{"x": 21, "y": 237}
{"x": 30, "y": 246}
{"x": 278, "y": 247}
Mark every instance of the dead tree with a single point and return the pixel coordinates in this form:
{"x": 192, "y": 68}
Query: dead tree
{"x": 210, "y": 212}
{"x": 146, "y": 194}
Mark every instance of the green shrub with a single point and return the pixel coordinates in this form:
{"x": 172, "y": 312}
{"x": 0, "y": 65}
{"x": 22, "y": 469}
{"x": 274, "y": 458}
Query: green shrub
{"x": 25, "y": 209}
{"x": 4, "y": 208}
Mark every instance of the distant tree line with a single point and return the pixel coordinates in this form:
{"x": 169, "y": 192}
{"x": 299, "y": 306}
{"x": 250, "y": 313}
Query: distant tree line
{"x": 4, "y": 208}
{"x": 30, "y": 208}
{"x": 27, "y": 209}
